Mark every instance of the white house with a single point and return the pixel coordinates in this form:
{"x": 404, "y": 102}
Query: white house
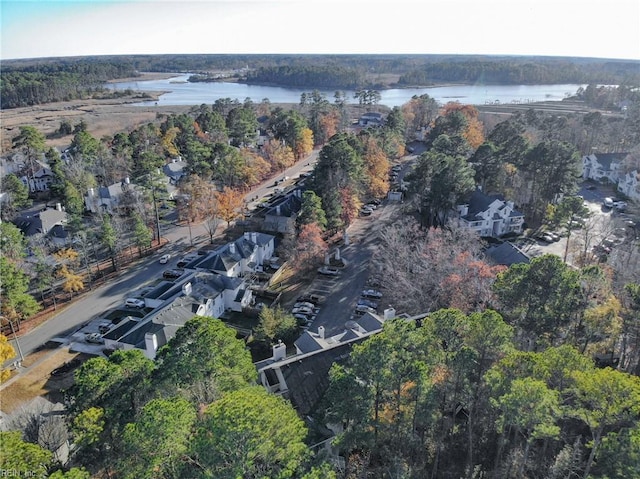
{"x": 40, "y": 180}
{"x": 205, "y": 294}
{"x": 629, "y": 185}
{"x": 239, "y": 257}
{"x": 602, "y": 166}
{"x": 490, "y": 215}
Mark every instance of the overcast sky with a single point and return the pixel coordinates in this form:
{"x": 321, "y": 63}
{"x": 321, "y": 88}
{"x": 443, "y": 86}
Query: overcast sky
{"x": 589, "y": 28}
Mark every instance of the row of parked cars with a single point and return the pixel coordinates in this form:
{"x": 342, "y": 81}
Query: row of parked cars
{"x": 369, "y": 298}
{"x": 306, "y": 308}
{"x": 369, "y": 208}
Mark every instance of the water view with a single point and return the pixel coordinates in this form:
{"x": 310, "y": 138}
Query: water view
{"x": 181, "y": 92}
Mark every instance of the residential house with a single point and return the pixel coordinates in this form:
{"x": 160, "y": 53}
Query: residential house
{"x": 49, "y": 222}
{"x": 110, "y": 198}
{"x": 629, "y": 185}
{"x": 239, "y": 257}
{"x": 175, "y": 170}
{"x": 280, "y": 216}
{"x": 371, "y": 119}
{"x": 490, "y": 215}
{"x": 39, "y": 181}
{"x": 204, "y": 294}
{"x": 303, "y": 377}
{"x": 602, "y": 166}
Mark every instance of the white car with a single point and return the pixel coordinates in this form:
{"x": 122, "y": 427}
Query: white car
{"x": 306, "y": 311}
{"x": 95, "y": 338}
{"x": 371, "y": 293}
{"x": 304, "y": 304}
{"x": 165, "y": 258}
{"x": 134, "y": 303}
{"x": 328, "y": 271}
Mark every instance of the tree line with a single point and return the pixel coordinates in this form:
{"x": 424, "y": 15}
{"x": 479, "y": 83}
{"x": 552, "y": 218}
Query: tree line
{"x": 29, "y": 82}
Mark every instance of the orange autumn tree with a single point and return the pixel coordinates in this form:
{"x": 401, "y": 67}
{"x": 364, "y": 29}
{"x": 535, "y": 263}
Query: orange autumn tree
{"x": 279, "y": 155}
{"x": 329, "y": 123}
{"x": 230, "y": 204}
{"x": 377, "y": 167}
{"x": 310, "y": 247}
{"x": 350, "y": 204}
{"x": 473, "y": 133}
{"x": 255, "y": 167}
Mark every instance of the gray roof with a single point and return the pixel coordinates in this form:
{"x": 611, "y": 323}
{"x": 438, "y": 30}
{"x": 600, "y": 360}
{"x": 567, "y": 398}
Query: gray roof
{"x": 480, "y": 202}
{"x": 506, "y": 254}
{"x": 605, "y": 159}
{"x": 307, "y": 343}
{"x": 41, "y": 222}
{"x": 288, "y": 206}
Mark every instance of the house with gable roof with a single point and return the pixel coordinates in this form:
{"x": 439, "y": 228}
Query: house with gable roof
{"x": 40, "y": 180}
{"x": 239, "y": 257}
{"x": 205, "y": 294}
{"x": 602, "y": 166}
{"x": 303, "y": 377}
{"x": 109, "y": 198}
{"x": 50, "y": 222}
{"x": 281, "y": 215}
{"x": 629, "y": 185}
{"x": 490, "y": 215}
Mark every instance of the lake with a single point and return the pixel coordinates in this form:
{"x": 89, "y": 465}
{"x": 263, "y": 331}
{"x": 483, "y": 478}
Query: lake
{"x": 180, "y": 92}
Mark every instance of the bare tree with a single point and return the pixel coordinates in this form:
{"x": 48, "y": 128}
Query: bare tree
{"x": 433, "y": 268}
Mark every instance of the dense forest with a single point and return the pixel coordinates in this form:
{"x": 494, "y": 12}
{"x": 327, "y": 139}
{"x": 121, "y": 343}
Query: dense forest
{"x": 29, "y": 82}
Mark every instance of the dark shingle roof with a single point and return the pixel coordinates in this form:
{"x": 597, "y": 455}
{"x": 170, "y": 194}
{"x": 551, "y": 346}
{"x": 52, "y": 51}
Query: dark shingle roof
{"x": 506, "y": 254}
{"x": 605, "y": 159}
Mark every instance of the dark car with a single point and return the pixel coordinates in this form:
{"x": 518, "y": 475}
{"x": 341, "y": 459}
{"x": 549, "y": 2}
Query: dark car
{"x": 368, "y": 303}
{"x": 172, "y": 273}
{"x": 311, "y": 298}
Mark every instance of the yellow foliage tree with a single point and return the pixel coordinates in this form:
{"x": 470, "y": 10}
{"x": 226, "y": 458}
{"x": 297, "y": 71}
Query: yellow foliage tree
{"x": 6, "y": 352}
{"x": 73, "y": 282}
{"x": 168, "y": 141}
{"x": 280, "y": 156}
{"x": 230, "y": 203}
{"x": 304, "y": 145}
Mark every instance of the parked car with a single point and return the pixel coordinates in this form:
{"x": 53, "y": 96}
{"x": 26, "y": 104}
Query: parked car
{"x": 304, "y": 304}
{"x": 370, "y": 206}
{"x": 608, "y": 202}
{"x": 95, "y": 338}
{"x": 620, "y": 205}
{"x": 546, "y": 238}
{"x": 302, "y": 319}
{"x": 172, "y": 273}
{"x": 554, "y": 236}
{"x": 361, "y": 309}
{"x": 164, "y": 259}
{"x": 134, "y": 303}
{"x": 312, "y": 298}
{"x": 371, "y": 293}
{"x": 328, "y": 271}
{"x": 307, "y": 311}
{"x": 104, "y": 327}
{"x": 366, "y": 212}
{"x": 367, "y": 302}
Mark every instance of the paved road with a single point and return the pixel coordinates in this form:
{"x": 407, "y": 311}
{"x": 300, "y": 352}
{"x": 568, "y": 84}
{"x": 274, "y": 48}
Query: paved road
{"x": 94, "y": 303}
{"x": 343, "y": 291}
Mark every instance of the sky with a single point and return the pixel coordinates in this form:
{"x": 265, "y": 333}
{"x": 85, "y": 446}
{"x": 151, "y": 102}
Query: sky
{"x": 580, "y": 28}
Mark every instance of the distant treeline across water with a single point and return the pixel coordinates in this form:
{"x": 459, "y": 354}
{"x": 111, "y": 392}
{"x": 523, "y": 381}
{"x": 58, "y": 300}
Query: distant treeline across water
{"x": 37, "y": 81}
